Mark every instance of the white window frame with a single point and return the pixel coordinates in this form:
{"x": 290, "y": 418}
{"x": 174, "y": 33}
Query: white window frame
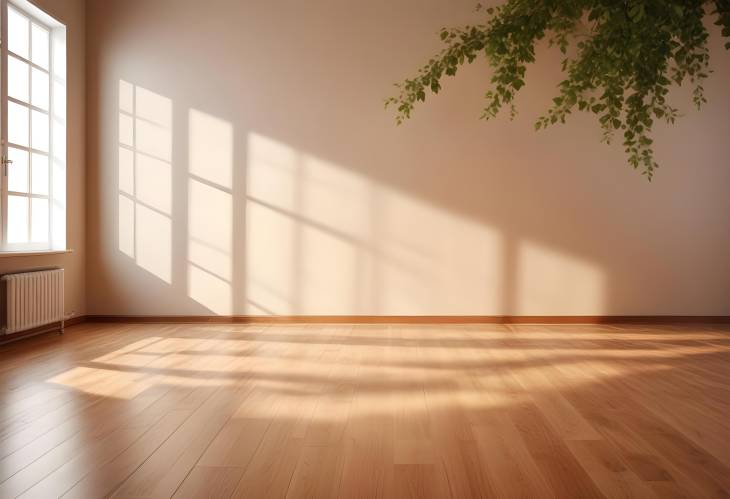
{"x": 56, "y": 238}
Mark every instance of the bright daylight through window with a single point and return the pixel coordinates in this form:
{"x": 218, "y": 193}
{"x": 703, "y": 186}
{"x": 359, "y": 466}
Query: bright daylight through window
{"x": 33, "y": 129}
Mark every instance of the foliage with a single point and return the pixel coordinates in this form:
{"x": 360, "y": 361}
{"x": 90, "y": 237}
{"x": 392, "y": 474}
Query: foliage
{"x": 620, "y": 58}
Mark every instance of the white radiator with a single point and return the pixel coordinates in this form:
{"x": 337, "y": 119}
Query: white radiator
{"x": 32, "y": 299}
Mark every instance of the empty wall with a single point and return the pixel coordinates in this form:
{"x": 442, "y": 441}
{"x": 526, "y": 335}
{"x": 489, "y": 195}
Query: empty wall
{"x": 241, "y": 162}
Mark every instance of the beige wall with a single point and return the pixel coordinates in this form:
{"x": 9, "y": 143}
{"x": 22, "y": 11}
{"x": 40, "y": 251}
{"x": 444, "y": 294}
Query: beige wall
{"x": 270, "y": 180}
{"x": 72, "y": 14}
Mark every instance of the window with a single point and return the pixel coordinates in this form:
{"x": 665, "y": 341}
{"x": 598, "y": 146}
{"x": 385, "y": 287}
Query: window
{"x": 33, "y": 129}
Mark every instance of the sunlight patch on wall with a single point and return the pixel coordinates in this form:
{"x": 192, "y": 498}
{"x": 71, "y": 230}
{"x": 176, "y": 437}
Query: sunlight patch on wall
{"x": 338, "y": 205}
{"x": 210, "y": 212}
{"x": 211, "y": 148}
{"x": 272, "y": 172}
{"x": 321, "y": 239}
{"x": 126, "y": 226}
{"x": 126, "y": 130}
{"x": 332, "y": 272}
{"x": 209, "y": 246}
{"x": 153, "y": 181}
{"x": 126, "y": 171}
{"x": 324, "y": 185}
{"x": 210, "y": 291}
{"x": 550, "y": 282}
{"x": 153, "y": 242}
{"x": 145, "y": 179}
{"x": 153, "y": 140}
{"x": 270, "y": 257}
{"x": 209, "y": 228}
{"x": 153, "y": 108}
{"x": 434, "y": 259}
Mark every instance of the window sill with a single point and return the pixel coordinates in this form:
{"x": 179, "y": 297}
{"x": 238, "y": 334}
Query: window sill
{"x": 6, "y": 254}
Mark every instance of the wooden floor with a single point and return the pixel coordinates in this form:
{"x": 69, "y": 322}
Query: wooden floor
{"x": 366, "y": 411}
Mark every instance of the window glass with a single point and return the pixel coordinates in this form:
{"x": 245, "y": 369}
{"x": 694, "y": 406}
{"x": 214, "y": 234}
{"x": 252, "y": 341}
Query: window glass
{"x": 34, "y": 68}
{"x": 18, "y": 170}
{"x": 18, "y": 33}
{"x": 17, "y": 219}
{"x": 40, "y": 89}
{"x": 40, "y": 131}
{"x": 18, "y": 78}
{"x": 18, "y": 124}
{"x": 39, "y": 227}
{"x": 39, "y": 174}
{"x": 39, "y": 46}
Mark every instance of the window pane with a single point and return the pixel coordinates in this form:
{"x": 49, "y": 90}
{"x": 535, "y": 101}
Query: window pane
{"x": 40, "y": 89}
{"x": 39, "y": 174}
{"x": 39, "y": 212}
{"x": 39, "y": 46}
{"x": 18, "y": 31}
{"x": 18, "y": 170}
{"x": 17, "y": 219}
{"x": 39, "y": 131}
{"x": 18, "y": 78}
{"x": 17, "y": 124}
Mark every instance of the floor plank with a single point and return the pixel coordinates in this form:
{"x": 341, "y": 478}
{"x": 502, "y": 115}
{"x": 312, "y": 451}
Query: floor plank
{"x": 392, "y": 411}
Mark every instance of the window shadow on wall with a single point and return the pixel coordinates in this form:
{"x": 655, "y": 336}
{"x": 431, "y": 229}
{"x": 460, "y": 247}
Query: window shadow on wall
{"x": 289, "y": 233}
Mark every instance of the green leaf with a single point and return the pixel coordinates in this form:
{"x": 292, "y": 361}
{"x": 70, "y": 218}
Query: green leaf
{"x": 621, "y": 69}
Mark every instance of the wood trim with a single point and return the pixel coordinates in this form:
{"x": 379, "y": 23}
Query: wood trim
{"x": 413, "y": 319}
{"x": 18, "y": 254}
{"x": 54, "y": 327}
{"x": 75, "y": 320}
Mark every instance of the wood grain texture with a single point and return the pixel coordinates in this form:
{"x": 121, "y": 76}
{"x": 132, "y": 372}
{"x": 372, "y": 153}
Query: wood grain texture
{"x": 367, "y": 410}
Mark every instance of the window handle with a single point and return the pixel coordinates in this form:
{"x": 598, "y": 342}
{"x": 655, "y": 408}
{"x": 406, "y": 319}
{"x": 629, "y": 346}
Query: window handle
{"x": 5, "y": 162}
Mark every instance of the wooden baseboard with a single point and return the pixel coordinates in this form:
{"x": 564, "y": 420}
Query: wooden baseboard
{"x": 54, "y": 327}
{"x": 411, "y": 319}
{"x": 75, "y": 320}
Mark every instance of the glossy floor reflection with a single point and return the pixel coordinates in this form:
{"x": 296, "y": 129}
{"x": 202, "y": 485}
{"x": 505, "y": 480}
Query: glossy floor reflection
{"x": 367, "y": 411}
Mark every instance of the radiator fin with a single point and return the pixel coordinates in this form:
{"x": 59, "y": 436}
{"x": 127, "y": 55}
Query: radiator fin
{"x": 33, "y": 299}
